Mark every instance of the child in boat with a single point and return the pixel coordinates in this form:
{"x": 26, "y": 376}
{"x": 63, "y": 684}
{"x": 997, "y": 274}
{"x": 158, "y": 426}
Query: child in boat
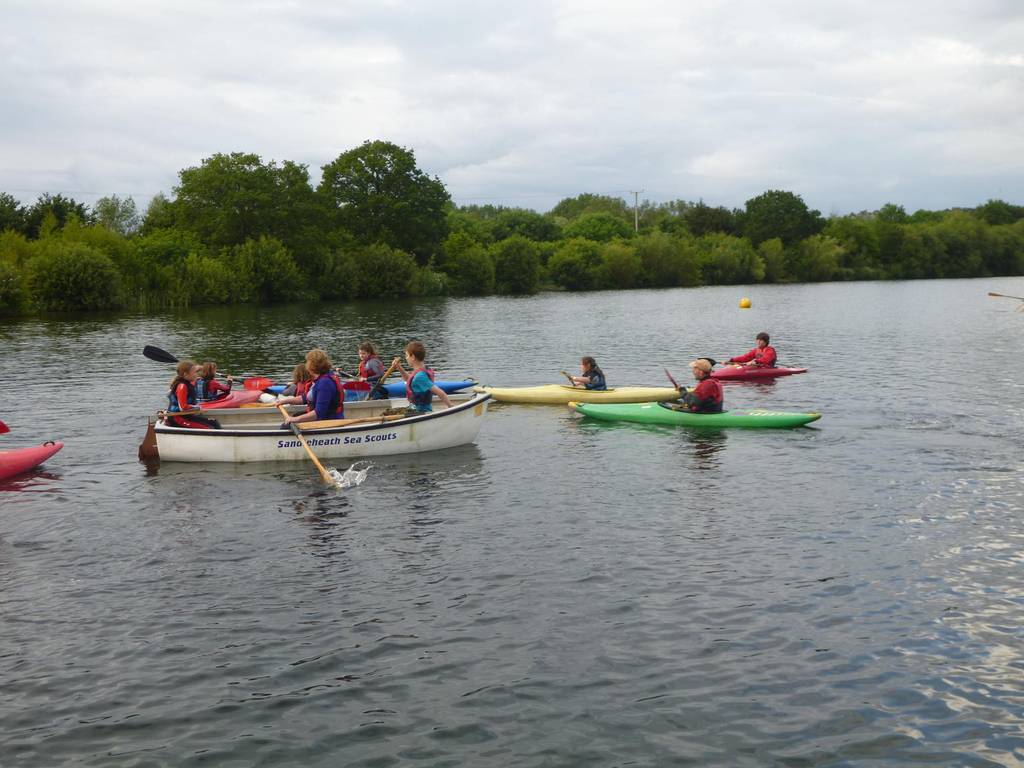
{"x": 592, "y": 378}
{"x": 326, "y": 396}
{"x": 707, "y": 396}
{"x": 371, "y": 369}
{"x": 761, "y": 356}
{"x": 182, "y": 396}
{"x": 207, "y": 387}
{"x": 419, "y": 382}
{"x": 301, "y": 382}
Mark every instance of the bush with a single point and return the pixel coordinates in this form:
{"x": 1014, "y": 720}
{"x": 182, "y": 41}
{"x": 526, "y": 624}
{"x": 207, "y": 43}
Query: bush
{"x": 574, "y": 264}
{"x": 620, "y": 266}
{"x": 204, "y": 280}
{"x": 12, "y": 289}
{"x": 516, "y": 266}
{"x": 73, "y": 276}
{"x": 728, "y": 260}
{"x": 427, "y": 281}
{"x": 266, "y": 272}
{"x": 668, "y": 262}
{"x": 383, "y": 272}
{"x": 470, "y": 268}
{"x": 603, "y": 227}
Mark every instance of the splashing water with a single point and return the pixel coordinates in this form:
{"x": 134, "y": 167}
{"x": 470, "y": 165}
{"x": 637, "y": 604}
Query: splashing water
{"x": 352, "y": 476}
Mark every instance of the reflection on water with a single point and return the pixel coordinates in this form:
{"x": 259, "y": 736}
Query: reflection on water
{"x": 563, "y": 592}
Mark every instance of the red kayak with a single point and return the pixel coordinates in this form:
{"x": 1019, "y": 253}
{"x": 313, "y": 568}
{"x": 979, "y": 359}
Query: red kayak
{"x": 23, "y": 459}
{"x": 752, "y": 373}
{"x": 234, "y": 399}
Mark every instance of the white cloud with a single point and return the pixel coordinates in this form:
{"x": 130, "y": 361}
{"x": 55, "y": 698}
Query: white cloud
{"x": 849, "y": 105}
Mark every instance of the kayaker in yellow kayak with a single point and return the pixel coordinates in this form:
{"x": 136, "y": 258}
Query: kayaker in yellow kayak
{"x": 592, "y": 377}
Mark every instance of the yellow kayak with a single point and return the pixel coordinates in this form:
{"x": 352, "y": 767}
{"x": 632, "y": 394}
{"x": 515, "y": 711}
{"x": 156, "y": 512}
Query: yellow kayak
{"x": 561, "y": 394}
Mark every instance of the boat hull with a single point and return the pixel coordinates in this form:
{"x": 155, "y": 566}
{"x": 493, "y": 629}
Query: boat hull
{"x": 257, "y": 440}
{"x": 233, "y": 400}
{"x": 559, "y": 394}
{"x": 752, "y": 373}
{"x": 655, "y": 413}
{"x": 20, "y": 460}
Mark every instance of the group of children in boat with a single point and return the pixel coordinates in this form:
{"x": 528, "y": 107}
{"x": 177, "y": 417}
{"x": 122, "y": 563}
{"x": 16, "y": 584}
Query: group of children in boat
{"x": 315, "y": 384}
{"x": 707, "y": 396}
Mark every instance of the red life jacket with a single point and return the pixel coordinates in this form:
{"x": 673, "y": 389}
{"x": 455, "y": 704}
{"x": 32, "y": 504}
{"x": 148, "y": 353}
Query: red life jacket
{"x": 706, "y": 397}
{"x": 364, "y": 371}
{"x": 411, "y": 396}
{"x": 302, "y": 387}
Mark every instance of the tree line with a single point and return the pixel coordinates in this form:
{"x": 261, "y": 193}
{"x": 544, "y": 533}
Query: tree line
{"x": 238, "y": 229}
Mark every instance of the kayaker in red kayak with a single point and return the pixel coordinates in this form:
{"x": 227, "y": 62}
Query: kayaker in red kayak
{"x": 761, "y": 356}
{"x": 207, "y": 387}
{"x": 326, "y": 397}
{"x": 592, "y": 377}
{"x": 707, "y": 396}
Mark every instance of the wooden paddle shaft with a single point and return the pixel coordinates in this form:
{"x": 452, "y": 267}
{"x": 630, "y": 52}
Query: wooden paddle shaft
{"x": 312, "y": 456}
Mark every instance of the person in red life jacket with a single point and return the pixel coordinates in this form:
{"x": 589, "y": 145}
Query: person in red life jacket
{"x": 326, "y": 397}
{"x": 419, "y": 382}
{"x": 371, "y": 369}
{"x": 182, "y": 396}
{"x": 707, "y": 396}
{"x": 207, "y": 387}
{"x": 301, "y": 382}
{"x": 761, "y": 356}
{"x": 592, "y": 376}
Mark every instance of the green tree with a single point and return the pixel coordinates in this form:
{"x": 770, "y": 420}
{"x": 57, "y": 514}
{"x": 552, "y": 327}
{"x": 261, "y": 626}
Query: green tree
{"x": 61, "y": 208}
{"x": 773, "y": 256}
{"x": 600, "y": 227}
{"x": 204, "y": 280}
{"x": 159, "y": 214}
{"x": 779, "y": 214}
{"x": 383, "y": 272}
{"x": 463, "y": 221}
{"x": 573, "y": 207}
{"x": 12, "y": 289}
{"x": 620, "y": 266}
{"x": 469, "y": 266}
{"x": 377, "y": 193}
{"x": 529, "y": 224}
{"x": 702, "y": 219}
{"x": 574, "y": 264}
{"x": 892, "y": 214}
{"x": 13, "y": 214}
{"x": 999, "y": 212}
{"x": 266, "y": 271}
{"x": 516, "y": 266}
{"x": 73, "y": 276}
{"x": 667, "y": 261}
{"x": 117, "y": 214}
{"x": 818, "y": 258}
{"x": 726, "y": 260}
{"x": 859, "y": 239}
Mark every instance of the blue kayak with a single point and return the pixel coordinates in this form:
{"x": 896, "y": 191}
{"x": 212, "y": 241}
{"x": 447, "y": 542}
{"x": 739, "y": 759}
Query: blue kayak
{"x": 393, "y": 388}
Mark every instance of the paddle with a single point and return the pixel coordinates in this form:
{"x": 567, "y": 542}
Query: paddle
{"x": 572, "y": 381}
{"x": 4, "y": 429}
{"x": 1004, "y": 296}
{"x": 674, "y": 382}
{"x": 258, "y": 383}
{"x": 324, "y": 474}
{"x": 380, "y": 381}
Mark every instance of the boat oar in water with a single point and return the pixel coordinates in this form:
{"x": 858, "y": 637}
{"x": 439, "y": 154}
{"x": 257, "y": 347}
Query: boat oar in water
{"x": 380, "y": 381}
{"x": 258, "y": 383}
{"x": 1005, "y": 296}
{"x": 324, "y": 474}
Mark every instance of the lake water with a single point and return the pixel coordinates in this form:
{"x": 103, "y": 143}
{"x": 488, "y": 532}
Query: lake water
{"x": 562, "y": 592}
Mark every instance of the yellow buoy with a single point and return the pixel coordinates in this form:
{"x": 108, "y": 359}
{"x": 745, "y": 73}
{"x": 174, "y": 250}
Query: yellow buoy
{"x": 744, "y": 303}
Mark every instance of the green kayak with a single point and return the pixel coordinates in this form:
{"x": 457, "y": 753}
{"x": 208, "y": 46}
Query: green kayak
{"x": 658, "y": 413}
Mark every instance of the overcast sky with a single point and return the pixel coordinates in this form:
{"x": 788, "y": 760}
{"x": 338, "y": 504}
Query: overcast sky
{"x": 849, "y": 104}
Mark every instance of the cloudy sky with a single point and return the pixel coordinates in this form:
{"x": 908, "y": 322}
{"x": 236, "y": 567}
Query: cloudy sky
{"x": 850, "y": 104}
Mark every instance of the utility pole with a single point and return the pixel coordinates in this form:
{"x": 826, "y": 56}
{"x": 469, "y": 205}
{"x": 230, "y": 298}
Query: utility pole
{"x": 636, "y": 209}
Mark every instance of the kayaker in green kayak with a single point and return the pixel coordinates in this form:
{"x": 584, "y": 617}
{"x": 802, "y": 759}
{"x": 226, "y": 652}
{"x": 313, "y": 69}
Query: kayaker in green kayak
{"x": 707, "y": 396}
{"x": 592, "y": 377}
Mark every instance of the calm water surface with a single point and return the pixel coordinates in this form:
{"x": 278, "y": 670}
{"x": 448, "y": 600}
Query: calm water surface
{"x": 561, "y": 593}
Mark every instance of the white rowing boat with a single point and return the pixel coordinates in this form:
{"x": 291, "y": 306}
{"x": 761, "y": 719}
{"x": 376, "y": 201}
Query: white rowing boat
{"x": 255, "y": 434}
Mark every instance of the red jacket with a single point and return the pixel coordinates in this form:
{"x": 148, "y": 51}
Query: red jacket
{"x": 705, "y": 398}
{"x": 763, "y": 358}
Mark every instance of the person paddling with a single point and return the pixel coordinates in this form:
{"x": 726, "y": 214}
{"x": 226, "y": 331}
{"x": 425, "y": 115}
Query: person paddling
{"x": 761, "y": 356}
{"x": 182, "y": 396}
{"x": 592, "y": 377}
{"x": 326, "y": 396}
{"x": 207, "y": 387}
{"x": 371, "y": 369}
{"x": 707, "y": 396}
{"x": 419, "y": 382}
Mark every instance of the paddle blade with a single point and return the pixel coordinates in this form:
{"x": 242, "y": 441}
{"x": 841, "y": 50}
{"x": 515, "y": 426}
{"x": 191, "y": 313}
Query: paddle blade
{"x": 674, "y": 382}
{"x": 160, "y": 355}
{"x": 257, "y": 383}
{"x": 4, "y": 429}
